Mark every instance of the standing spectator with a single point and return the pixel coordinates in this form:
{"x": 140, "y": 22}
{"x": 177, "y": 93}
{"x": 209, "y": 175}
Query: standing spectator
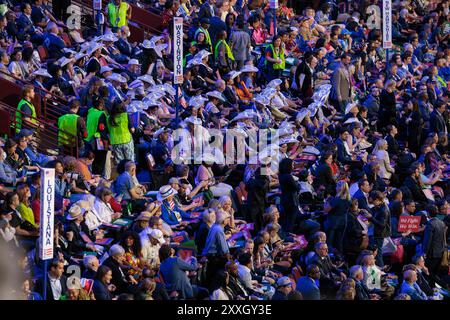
{"x": 337, "y": 209}
{"x": 434, "y": 245}
{"x": 381, "y": 219}
{"x": 240, "y": 43}
{"x": 341, "y": 91}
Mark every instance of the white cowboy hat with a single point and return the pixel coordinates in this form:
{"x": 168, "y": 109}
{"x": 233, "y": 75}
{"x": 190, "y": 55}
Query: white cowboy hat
{"x": 136, "y": 84}
{"x": 262, "y": 100}
{"x": 196, "y": 104}
{"x": 74, "y": 212}
{"x": 194, "y": 62}
{"x": 242, "y": 116}
{"x": 165, "y": 192}
{"x": 288, "y": 140}
{"x": 350, "y": 106}
{"x": 133, "y": 62}
{"x": 248, "y": 68}
{"x": 215, "y": 94}
{"x": 155, "y": 39}
{"x": 105, "y": 69}
{"x": 302, "y": 114}
{"x": 313, "y": 108}
{"x": 159, "y": 48}
{"x": 150, "y": 103}
{"x": 147, "y": 44}
{"x": 67, "y": 50}
{"x": 135, "y": 106}
{"x": 202, "y": 54}
{"x": 269, "y": 92}
{"x": 147, "y": 78}
{"x": 274, "y": 83}
{"x": 311, "y": 150}
{"x": 64, "y": 61}
{"x": 94, "y": 47}
{"x": 42, "y": 72}
{"x": 169, "y": 89}
{"x": 352, "y": 120}
{"x": 109, "y": 37}
{"x": 233, "y": 74}
{"x": 117, "y": 77}
{"x": 160, "y": 130}
{"x": 195, "y": 100}
{"x": 155, "y": 96}
{"x": 193, "y": 120}
{"x": 79, "y": 55}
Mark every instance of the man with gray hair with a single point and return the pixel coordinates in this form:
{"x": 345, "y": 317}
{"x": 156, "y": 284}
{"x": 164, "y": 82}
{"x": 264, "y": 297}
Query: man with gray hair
{"x": 410, "y": 286}
{"x": 362, "y": 292}
{"x": 53, "y": 42}
{"x": 216, "y": 248}
{"x": 123, "y": 283}
{"x": 91, "y": 264}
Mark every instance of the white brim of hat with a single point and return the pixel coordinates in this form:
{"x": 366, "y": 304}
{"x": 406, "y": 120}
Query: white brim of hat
{"x": 159, "y": 197}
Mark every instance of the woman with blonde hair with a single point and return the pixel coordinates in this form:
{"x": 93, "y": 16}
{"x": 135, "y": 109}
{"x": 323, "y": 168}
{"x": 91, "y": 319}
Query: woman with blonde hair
{"x": 337, "y": 208}
{"x": 227, "y": 206}
{"x": 382, "y": 156}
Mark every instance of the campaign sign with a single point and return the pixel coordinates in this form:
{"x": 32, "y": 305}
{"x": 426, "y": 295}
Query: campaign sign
{"x": 408, "y": 223}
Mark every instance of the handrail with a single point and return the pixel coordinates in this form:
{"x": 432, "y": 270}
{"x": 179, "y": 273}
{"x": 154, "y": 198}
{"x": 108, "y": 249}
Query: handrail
{"x": 49, "y": 109}
{"x": 47, "y": 134}
{"x": 87, "y": 7}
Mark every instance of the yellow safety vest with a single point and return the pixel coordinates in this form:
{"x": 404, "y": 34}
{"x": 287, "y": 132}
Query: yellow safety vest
{"x": 118, "y": 18}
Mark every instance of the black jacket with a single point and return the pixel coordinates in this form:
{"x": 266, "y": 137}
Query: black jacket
{"x": 381, "y": 219}
{"x": 342, "y": 155}
{"x": 77, "y": 244}
{"x": 434, "y": 238}
{"x": 118, "y": 276}
{"x": 324, "y": 177}
{"x": 393, "y": 146}
{"x": 416, "y": 191}
{"x": 101, "y": 291}
{"x": 39, "y": 288}
{"x": 362, "y": 293}
{"x": 437, "y": 122}
{"x": 353, "y": 232}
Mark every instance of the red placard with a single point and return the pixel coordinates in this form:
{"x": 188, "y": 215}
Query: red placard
{"x": 408, "y": 223}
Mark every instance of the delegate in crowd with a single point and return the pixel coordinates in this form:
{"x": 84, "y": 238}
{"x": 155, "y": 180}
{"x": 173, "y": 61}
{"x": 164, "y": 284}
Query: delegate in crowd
{"x": 362, "y": 148}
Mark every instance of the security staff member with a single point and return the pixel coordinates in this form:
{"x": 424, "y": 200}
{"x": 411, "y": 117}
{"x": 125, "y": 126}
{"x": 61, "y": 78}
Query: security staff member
{"x": 26, "y": 112}
{"x": 118, "y": 13}
{"x": 97, "y": 134}
{"x": 71, "y": 125}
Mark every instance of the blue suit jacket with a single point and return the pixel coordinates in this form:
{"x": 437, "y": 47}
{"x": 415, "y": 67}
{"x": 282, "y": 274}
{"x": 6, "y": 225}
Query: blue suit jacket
{"x": 308, "y": 288}
{"x": 413, "y": 291}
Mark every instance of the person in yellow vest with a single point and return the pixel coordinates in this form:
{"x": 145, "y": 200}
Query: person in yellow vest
{"x": 118, "y": 13}
{"x": 120, "y": 130}
{"x": 26, "y": 112}
{"x": 97, "y": 138}
{"x": 275, "y": 58}
{"x": 70, "y": 126}
{"x": 223, "y": 56}
{"x": 204, "y": 29}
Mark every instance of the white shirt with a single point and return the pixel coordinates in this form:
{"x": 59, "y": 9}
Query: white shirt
{"x": 245, "y": 276}
{"x": 150, "y": 253}
{"x": 55, "y": 284}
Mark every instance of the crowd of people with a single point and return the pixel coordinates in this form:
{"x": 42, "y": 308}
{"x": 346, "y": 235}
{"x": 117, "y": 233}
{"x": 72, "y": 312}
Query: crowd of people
{"x": 362, "y": 146}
